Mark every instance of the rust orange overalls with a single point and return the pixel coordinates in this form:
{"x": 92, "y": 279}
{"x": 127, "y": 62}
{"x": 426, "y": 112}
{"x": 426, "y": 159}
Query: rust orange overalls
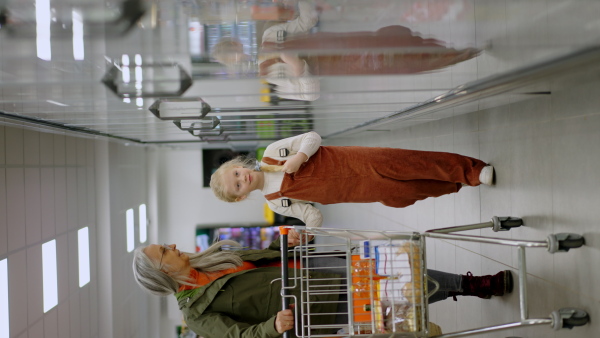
{"x": 394, "y": 177}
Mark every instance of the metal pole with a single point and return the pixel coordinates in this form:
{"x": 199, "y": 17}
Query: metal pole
{"x": 285, "y": 302}
{"x": 491, "y": 240}
{"x": 349, "y": 288}
{"x": 528, "y": 322}
{"x": 463, "y": 228}
{"x": 523, "y": 284}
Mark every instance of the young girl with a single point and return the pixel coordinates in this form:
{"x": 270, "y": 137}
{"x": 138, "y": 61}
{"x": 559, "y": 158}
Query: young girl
{"x": 298, "y": 170}
{"x": 291, "y": 58}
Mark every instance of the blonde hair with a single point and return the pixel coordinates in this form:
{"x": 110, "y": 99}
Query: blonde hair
{"x": 151, "y": 278}
{"x": 226, "y": 47}
{"x": 216, "y": 180}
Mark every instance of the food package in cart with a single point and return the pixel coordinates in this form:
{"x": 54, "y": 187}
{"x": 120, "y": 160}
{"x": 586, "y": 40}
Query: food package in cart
{"x": 366, "y": 249}
{"x": 387, "y": 264}
{"x": 402, "y": 318}
{"x": 391, "y": 262}
{"x": 400, "y": 262}
{"x": 391, "y": 291}
{"x": 414, "y": 253}
{"x": 398, "y": 270}
{"x": 393, "y": 258}
{"x": 401, "y": 290}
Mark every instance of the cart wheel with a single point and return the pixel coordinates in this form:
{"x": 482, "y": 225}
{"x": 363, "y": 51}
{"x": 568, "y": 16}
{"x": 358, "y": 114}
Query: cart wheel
{"x": 572, "y": 317}
{"x": 571, "y": 242}
{"x": 511, "y": 222}
{"x": 564, "y": 242}
{"x": 506, "y": 223}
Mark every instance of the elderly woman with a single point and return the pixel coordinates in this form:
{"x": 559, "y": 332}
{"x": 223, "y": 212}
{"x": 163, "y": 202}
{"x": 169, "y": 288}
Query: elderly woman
{"x": 236, "y": 293}
{"x": 225, "y": 293}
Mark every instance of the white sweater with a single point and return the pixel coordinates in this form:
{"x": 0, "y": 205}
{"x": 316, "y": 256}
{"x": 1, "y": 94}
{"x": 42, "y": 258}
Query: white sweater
{"x": 305, "y": 87}
{"x": 308, "y": 144}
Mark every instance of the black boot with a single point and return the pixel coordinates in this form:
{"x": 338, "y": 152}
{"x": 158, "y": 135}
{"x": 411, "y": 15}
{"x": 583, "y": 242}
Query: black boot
{"x": 485, "y": 286}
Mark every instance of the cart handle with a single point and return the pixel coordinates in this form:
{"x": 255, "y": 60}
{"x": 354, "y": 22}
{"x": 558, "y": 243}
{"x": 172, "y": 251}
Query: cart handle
{"x": 283, "y": 240}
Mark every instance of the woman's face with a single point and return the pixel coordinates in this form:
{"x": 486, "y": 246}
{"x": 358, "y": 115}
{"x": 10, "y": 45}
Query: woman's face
{"x": 169, "y": 259}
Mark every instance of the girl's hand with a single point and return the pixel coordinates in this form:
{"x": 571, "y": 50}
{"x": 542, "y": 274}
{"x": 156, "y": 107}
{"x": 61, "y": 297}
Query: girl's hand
{"x": 284, "y": 321}
{"x": 293, "y": 164}
{"x": 294, "y": 61}
{"x": 294, "y": 238}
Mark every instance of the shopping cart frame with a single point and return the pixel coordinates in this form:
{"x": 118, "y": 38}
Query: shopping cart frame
{"x": 304, "y": 253}
{"x": 562, "y": 242}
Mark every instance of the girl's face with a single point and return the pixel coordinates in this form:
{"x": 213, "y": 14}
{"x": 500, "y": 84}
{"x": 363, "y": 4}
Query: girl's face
{"x": 170, "y": 259}
{"x": 232, "y": 53}
{"x": 239, "y": 182}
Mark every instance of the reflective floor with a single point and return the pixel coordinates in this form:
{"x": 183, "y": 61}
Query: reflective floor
{"x": 511, "y": 82}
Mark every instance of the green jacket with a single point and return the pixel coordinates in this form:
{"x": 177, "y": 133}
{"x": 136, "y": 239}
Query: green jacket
{"x": 244, "y": 304}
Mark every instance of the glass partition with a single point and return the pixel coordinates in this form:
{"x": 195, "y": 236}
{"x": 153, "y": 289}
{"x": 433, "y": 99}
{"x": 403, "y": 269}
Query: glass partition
{"x": 333, "y": 65}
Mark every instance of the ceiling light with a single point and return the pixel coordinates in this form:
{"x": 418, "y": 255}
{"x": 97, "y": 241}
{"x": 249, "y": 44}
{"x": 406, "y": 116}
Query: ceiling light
{"x": 49, "y": 275}
{"x": 189, "y": 108}
{"x": 83, "y": 241}
{"x": 4, "y": 311}
{"x": 143, "y": 223}
{"x": 130, "y": 230}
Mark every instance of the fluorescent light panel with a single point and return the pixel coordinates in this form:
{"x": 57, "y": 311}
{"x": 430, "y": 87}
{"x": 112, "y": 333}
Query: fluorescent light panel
{"x": 139, "y": 77}
{"x": 143, "y": 223}
{"x": 125, "y": 69}
{"x": 78, "y": 49}
{"x": 4, "y": 313}
{"x": 139, "y": 74}
{"x": 130, "y": 230}
{"x": 42, "y": 20}
{"x": 83, "y": 240}
{"x": 49, "y": 275}
{"x": 125, "y": 74}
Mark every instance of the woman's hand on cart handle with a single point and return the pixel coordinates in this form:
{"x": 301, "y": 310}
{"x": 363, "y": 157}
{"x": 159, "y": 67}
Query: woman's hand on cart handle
{"x": 294, "y": 238}
{"x": 284, "y": 320}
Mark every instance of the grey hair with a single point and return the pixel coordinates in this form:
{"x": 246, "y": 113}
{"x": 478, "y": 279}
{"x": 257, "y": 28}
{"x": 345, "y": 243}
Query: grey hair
{"x": 151, "y": 278}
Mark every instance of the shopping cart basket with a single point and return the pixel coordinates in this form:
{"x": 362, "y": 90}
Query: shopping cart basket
{"x": 381, "y": 282}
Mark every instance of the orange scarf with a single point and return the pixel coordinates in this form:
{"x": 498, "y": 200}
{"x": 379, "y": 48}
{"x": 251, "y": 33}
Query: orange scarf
{"x": 203, "y": 278}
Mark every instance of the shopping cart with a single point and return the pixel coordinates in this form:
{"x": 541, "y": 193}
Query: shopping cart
{"x": 384, "y": 286}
